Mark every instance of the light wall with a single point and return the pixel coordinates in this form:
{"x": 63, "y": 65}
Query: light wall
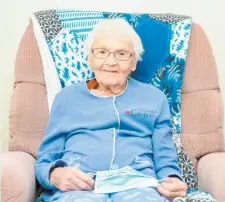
{"x": 15, "y": 15}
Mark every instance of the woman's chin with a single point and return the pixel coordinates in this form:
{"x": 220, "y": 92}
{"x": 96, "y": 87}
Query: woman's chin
{"x": 109, "y": 81}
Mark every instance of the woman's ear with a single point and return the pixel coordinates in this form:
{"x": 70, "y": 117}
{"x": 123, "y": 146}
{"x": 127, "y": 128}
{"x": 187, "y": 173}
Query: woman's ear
{"x": 134, "y": 64}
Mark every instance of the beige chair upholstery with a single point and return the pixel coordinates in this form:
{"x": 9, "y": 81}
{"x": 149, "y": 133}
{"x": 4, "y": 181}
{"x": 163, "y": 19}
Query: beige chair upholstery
{"x": 202, "y": 119}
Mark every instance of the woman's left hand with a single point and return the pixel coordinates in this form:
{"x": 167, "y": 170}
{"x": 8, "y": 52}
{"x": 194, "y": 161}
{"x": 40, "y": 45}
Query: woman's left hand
{"x": 172, "y": 187}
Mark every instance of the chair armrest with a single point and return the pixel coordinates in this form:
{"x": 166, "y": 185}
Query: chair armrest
{"x": 211, "y": 175}
{"x": 18, "y": 177}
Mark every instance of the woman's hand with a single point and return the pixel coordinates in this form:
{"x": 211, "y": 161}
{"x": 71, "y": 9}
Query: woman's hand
{"x": 172, "y": 188}
{"x": 71, "y": 179}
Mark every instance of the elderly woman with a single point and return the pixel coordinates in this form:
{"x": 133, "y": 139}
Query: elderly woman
{"x": 109, "y": 123}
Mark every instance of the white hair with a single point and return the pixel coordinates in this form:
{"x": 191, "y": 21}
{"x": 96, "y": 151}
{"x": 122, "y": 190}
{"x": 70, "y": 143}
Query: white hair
{"x": 115, "y": 26}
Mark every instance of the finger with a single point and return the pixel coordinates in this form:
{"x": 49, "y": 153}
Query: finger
{"x": 68, "y": 187}
{"x": 164, "y": 192}
{"x": 78, "y": 183}
{"x": 169, "y": 180}
{"x": 174, "y": 187}
{"x": 91, "y": 175}
{"x": 171, "y": 187}
{"x": 91, "y": 182}
{"x": 170, "y": 194}
{"x": 181, "y": 194}
{"x": 82, "y": 185}
{"x": 73, "y": 188}
{"x": 85, "y": 178}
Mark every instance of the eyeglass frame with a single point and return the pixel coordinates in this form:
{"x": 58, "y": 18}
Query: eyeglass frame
{"x": 92, "y": 50}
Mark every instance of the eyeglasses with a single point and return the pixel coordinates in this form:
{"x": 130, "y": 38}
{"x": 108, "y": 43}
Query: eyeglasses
{"x": 120, "y": 55}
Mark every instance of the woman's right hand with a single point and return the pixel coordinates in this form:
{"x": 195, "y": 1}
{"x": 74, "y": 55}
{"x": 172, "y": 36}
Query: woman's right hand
{"x": 71, "y": 179}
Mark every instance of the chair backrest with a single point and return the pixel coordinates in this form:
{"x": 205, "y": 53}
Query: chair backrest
{"x": 201, "y": 106}
{"x": 202, "y": 114}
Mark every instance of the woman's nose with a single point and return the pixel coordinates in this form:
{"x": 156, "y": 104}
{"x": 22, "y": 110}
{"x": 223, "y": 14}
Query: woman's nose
{"x": 111, "y": 60}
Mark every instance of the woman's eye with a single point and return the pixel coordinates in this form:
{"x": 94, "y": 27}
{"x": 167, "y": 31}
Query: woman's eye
{"x": 122, "y": 53}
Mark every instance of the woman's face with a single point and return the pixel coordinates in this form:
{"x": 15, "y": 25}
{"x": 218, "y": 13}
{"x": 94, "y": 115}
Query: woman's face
{"x": 112, "y": 59}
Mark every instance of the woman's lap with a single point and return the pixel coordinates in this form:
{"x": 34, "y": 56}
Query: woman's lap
{"x": 80, "y": 196}
{"x": 134, "y": 195}
{"x": 139, "y": 194}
